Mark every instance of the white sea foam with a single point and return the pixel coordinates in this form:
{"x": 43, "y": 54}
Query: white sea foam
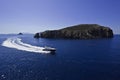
{"x": 19, "y": 45}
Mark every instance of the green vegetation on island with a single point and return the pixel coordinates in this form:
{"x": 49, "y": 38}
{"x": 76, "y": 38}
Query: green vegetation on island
{"x": 82, "y": 31}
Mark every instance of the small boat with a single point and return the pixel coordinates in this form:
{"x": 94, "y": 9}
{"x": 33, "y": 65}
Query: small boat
{"x": 49, "y": 49}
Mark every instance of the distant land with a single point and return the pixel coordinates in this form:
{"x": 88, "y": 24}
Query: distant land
{"x": 20, "y": 33}
{"x": 82, "y": 31}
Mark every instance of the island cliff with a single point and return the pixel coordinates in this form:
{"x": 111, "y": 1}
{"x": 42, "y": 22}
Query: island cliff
{"x": 83, "y": 31}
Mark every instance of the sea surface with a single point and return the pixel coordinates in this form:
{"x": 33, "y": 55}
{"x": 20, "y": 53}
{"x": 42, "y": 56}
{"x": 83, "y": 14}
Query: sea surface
{"x": 22, "y": 58}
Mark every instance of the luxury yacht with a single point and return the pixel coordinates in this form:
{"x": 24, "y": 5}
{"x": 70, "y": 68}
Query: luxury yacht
{"x": 49, "y": 49}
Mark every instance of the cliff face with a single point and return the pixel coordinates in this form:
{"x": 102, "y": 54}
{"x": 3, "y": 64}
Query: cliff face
{"x": 84, "y": 31}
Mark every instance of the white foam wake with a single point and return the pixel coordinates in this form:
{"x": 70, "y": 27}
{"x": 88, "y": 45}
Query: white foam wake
{"x": 18, "y": 44}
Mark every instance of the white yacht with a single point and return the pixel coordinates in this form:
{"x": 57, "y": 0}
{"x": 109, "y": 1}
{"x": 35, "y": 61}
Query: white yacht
{"x": 49, "y": 49}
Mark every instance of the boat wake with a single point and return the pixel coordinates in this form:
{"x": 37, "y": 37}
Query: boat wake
{"x": 19, "y": 45}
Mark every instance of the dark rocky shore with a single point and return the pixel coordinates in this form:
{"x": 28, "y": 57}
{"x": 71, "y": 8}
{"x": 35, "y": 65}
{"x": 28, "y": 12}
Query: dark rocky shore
{"x": 83, "y": 31}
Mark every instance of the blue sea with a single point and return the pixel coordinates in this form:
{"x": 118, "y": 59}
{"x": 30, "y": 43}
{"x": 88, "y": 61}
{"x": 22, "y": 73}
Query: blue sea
{"x": 96, "y": 59}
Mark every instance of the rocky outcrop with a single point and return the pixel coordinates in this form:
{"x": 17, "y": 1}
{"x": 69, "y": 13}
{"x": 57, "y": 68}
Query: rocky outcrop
{"x": 37, "y": 35}
{"x": 83, "y": 31}
{"x": 20, "y": 33}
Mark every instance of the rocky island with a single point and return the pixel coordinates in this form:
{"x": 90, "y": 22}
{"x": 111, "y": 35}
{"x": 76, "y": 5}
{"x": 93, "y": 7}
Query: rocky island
{"x": 20, "y": 33}
{"x": 82, "y": 31}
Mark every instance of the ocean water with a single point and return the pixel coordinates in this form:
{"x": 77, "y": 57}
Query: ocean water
{"x": 22, "y": 58}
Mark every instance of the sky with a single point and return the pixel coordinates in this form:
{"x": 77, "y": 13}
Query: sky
{"x": 33, "y": 16}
